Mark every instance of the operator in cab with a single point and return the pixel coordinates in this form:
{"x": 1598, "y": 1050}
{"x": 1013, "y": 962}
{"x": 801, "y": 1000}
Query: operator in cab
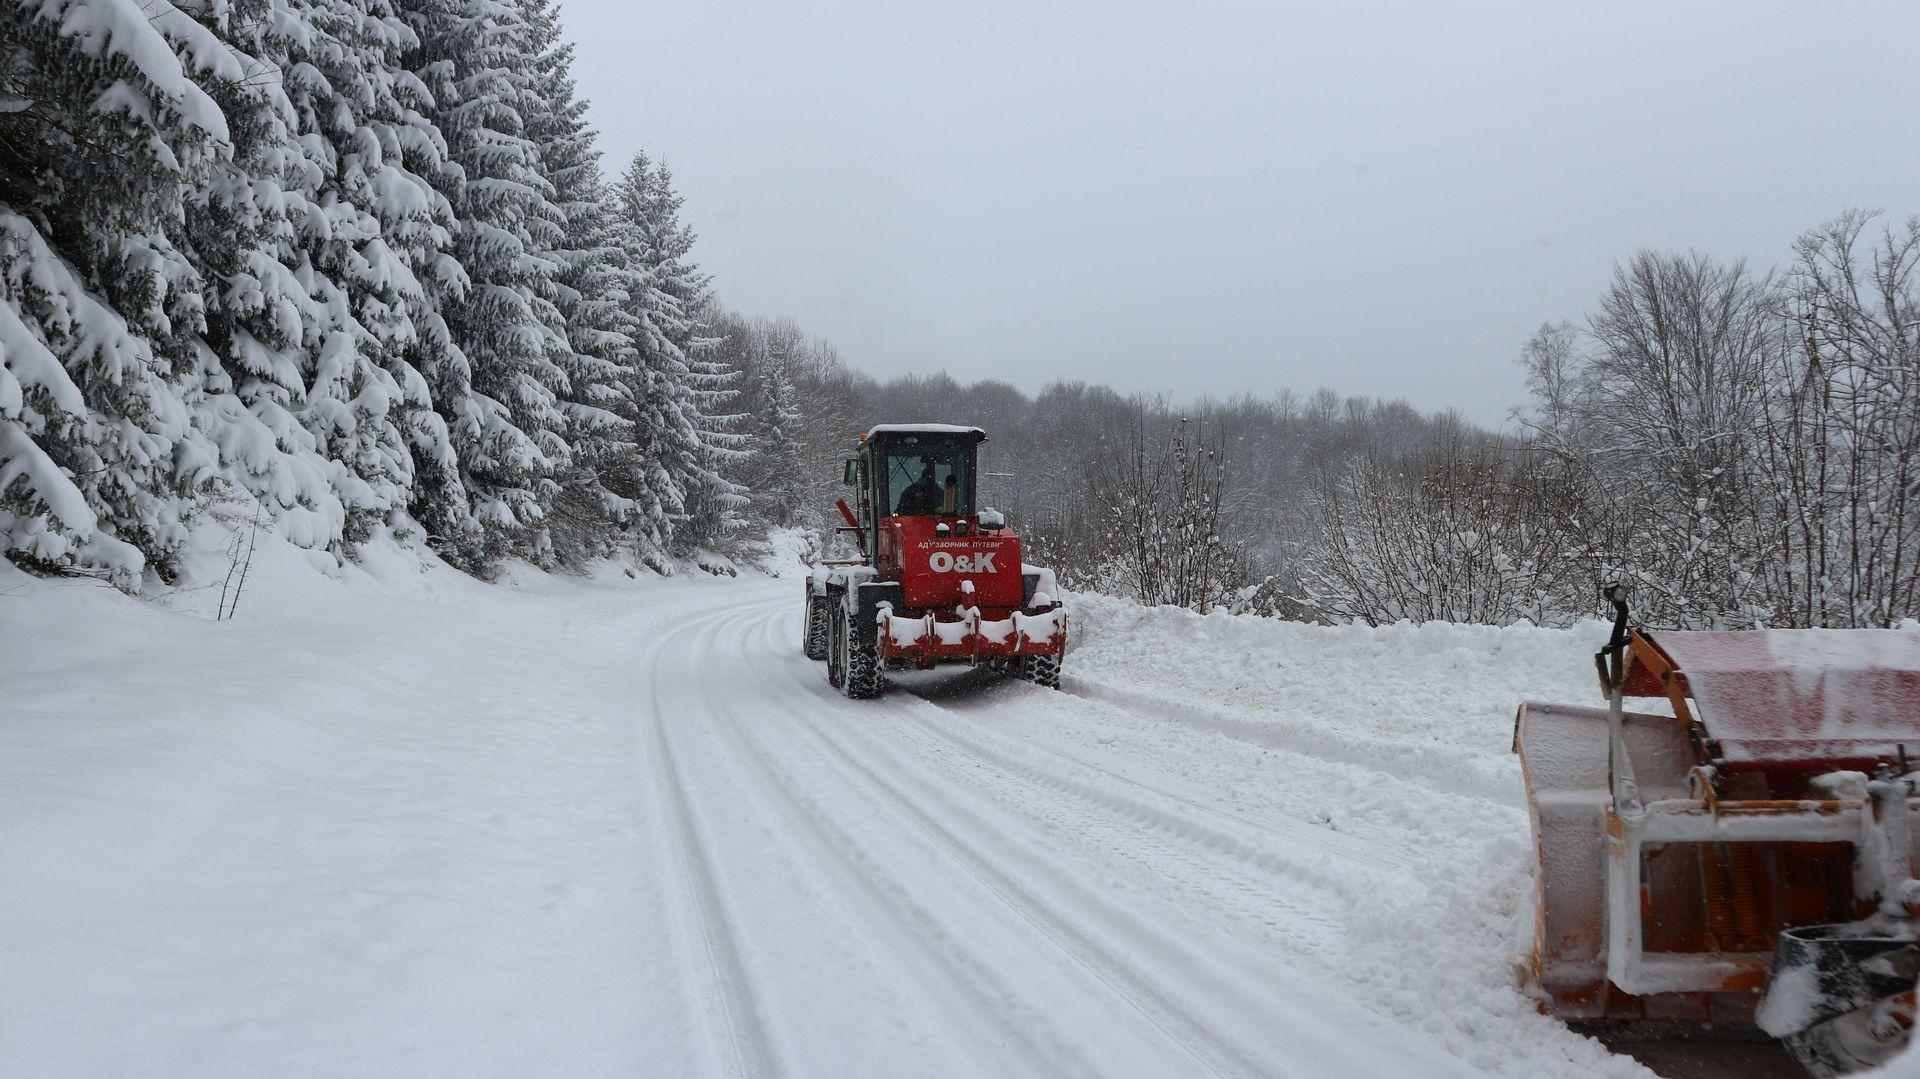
{"x": 921, "y": 497}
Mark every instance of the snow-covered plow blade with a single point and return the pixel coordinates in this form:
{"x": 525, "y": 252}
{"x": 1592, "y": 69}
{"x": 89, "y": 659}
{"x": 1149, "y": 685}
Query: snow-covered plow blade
{"x": 1684, "y": 858}
{"x": 927, "y": 640}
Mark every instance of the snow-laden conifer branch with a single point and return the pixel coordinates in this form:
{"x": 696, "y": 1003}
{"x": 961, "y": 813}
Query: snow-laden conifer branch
{"x": 352, "y": 260}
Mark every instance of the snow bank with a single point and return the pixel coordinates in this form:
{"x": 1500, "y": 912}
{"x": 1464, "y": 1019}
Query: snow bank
{"x": 1398, "y": 737}
{"x": 369, "y": 827}
{"x": 1435, "y": 701}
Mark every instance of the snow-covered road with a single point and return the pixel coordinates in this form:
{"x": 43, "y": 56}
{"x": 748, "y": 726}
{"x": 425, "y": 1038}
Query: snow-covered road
{"x": 921, "y": 886}
{"x": 556, "y": 831}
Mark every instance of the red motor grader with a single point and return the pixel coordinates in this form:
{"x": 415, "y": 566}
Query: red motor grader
{"x": 938, "y": 581}
{"x": 1747, "y": 861}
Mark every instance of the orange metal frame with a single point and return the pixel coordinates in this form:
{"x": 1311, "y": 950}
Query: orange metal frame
{"x": 1669, "y": 681}
{"x": 1715, "y": 884}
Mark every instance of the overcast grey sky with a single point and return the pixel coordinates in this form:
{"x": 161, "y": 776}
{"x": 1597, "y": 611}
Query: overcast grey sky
{"x": 1206, "y": 198}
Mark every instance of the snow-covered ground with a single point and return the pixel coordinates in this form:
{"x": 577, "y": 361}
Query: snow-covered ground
{"x": 409, "y": 824}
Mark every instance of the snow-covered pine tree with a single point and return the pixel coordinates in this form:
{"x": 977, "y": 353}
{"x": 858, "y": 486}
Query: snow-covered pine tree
{"x": 496, "y": 377}
{"x": 354, "y": 257}
{"x": 666, "y": 435}
{"x": 686, "y": 439}
{"x": 264, "y": 327}
{"x": 591, "y": 289}
{"x": 373, "y": 246}
{"x": 368, "y": 244}
{"x": 780, "y": 489}
{"x": 717, "y": 500}
{"x": 104, "y": 130}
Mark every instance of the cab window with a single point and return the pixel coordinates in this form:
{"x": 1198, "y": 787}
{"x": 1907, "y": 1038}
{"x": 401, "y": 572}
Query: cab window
{"x": 924, "y": 476}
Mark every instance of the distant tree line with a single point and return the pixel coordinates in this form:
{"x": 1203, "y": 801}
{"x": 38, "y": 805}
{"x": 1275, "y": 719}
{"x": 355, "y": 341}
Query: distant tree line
{"x": 1741, "y": 447}
{"x": 1200, "y": 504}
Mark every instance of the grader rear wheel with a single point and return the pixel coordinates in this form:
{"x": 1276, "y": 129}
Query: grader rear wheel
{"x": 813, "y": 641}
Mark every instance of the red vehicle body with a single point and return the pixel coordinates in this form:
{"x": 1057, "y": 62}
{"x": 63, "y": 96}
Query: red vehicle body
{"x": 939, "y": 581}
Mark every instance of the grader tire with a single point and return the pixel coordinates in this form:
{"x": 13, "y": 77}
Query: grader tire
{"x": 1040, "y": 670}
{"x": 813, "y": 642}
{"x": 860, "y": 677}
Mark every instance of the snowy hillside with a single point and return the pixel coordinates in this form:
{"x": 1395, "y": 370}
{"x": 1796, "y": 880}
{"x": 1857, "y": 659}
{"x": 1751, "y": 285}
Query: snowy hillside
{"x": 406, "y": 822}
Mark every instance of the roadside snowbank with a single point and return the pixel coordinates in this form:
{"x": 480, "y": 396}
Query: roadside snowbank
{"x": 374, "y": 825}
{"x": 1432, "y": 702}
{"x": 1399, "y": 736}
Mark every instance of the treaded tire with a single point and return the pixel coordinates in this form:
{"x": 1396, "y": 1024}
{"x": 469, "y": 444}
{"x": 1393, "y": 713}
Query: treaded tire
{"x": 813, "y": 642}
{"x": 861, "y": 679}
{"x": 836, "y": 646}
{"x": 1040, "y": 670}
{"x": 1844, "y": 1044}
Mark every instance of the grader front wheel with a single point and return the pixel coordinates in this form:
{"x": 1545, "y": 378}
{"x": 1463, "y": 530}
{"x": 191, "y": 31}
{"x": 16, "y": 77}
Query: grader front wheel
{"x": 836, "y": 652}
{"x": 860, "y": 676}
{"x": 1040, "y": 670}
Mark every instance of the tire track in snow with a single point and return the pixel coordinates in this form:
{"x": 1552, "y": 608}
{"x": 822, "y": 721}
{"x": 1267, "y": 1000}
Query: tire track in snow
{"x": 1266, "y": 899}
{"x": 1233, "y": 861}
{"x": 971, "y": 992}
{"x": 1136, "y": 814}
{"x": 1206, "y": 1048}
{"x": 701, "y": 904}
{"x": 1169, "y": 790}
{"x": 1228, "y": 837}
{"x": 1209, "y": 878}
{"x": 1365, "y": 851}
{"x": 1210, "y": 1046}
{"x": 1467, "y": 1042}
{"x": 1175, "y": 1023}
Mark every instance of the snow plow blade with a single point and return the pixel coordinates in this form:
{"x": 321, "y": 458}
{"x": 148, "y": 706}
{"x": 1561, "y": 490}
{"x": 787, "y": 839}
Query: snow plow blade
{"x": 1687, "y": 864}
{"x": 926, "y": 640}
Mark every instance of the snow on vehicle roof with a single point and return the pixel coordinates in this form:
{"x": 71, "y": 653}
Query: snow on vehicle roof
{"x": 924, "y": 429}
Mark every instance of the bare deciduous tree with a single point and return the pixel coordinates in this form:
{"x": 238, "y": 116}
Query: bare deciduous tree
{"x": 1842, "y": 428}
{"x": 1460, "y": 534}
{"x": 1169, "y": 510}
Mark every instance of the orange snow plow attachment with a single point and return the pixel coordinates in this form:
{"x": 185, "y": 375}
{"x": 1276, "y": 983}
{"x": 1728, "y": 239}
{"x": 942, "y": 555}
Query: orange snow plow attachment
{"x": 1676, "y": 852}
